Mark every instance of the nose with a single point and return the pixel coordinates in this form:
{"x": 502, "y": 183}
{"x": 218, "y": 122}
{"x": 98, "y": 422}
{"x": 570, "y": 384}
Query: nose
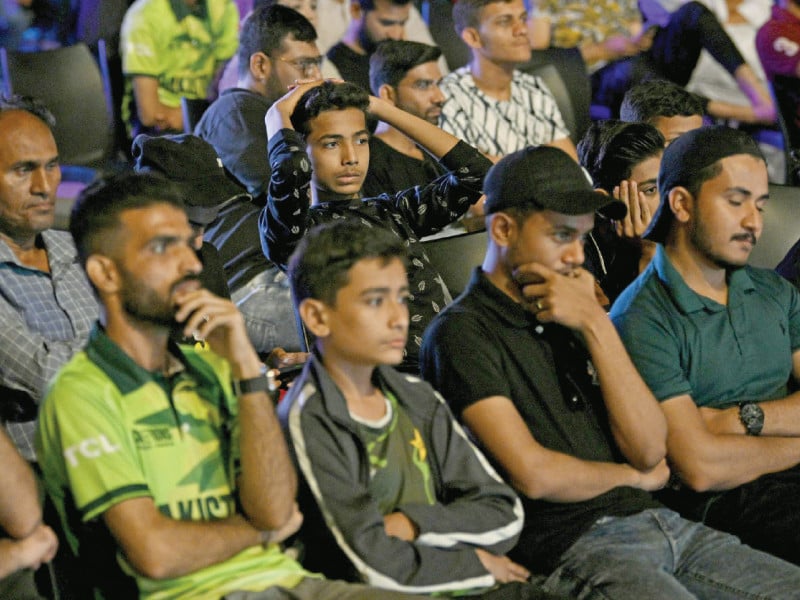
{"x": 438, "y": 95}
{"x": 520, "y": 27}
{"x": 398, "y": 317}
{"x": 753, "y": 219}
{"x": 191, "y": 261}
{"x": 396, "y": 32}
{"x": 41, "y": 184}
{"x": 349, "y": 154}
{"x": 573, "y": 253}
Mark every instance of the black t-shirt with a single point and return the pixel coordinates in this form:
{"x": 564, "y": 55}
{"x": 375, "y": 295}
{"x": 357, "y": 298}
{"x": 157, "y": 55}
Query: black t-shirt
{"x": 234, "y": 126}
{"x": 391, "y": 171}
{"x": 352, "y": 66}
{"x": 485, "y": 344}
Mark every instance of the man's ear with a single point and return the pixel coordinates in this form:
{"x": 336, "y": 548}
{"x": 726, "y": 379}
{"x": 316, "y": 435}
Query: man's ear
{"x": 355, "y": 10}
{"x": 315, "y": 316}
{"x": 681, "y": 202}
{"x": 260, "y": 66}
{"x": 388, "y": 93}
{"x": 502, "y": 228}
{"x": 103, "y": 273}
{"x": 471, "y": 37}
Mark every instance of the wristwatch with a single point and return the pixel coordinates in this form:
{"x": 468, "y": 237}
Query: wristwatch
{"x": 752, "y": 417}
{"x": 263, "y": 382}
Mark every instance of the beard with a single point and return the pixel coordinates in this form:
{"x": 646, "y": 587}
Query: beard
{"x": 144, "y": 304}
{"x": 365, "y": 40}
{"x": 699, "y": 236}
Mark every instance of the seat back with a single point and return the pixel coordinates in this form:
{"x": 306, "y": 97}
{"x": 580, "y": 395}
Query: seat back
{"x": 193, "y": 109}
{"x": 438, "y": 14}
{"x": 69, "y": 81}
{"x": 781, "y": 226}
{"x": 564, "y": 73}
{"x": 455, "y": 257}
{"x": 786, "y": 92}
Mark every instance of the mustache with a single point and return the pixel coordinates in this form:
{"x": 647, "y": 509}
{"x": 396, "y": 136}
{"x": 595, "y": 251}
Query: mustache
{"x": 745, "y": 237}
{"x": 184, "y": 279}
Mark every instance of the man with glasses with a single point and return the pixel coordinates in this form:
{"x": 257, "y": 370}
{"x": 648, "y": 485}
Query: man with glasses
{"x": 276, "y": 48}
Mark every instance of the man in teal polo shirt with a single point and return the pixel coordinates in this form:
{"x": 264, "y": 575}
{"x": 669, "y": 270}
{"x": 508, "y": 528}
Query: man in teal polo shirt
{"x": 170, "y": 49}
{"x": 718, "y": 342}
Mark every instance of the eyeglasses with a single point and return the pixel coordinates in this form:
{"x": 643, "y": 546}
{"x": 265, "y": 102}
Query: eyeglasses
{"x": 307, "y": 66}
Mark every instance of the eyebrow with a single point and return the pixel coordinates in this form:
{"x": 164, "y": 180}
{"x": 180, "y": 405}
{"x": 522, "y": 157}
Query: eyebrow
{"x": 34, "y": 163}
{"x": 339, "y": 136}
{"x": 381, "y": 290}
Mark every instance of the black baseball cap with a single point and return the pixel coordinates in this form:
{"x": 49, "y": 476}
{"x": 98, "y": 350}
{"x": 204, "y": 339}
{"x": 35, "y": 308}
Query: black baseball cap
{"x": 193, "y": 164}
{"x": 546, "y": 178}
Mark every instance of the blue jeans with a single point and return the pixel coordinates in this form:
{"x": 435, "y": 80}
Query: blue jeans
{"x": 657, "y": 554}
{"x": 266, "y": 305}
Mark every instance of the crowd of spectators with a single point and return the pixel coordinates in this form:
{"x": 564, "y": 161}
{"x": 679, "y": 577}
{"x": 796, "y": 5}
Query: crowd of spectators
{"x": 239, "y": 374}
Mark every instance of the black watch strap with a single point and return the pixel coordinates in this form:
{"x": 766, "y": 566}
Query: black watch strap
{"x": 261, "y": 383}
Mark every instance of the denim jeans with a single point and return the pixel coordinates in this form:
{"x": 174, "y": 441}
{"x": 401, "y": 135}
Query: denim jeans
{"x": 657, "y": 554}
{"x": 266, "y": 305}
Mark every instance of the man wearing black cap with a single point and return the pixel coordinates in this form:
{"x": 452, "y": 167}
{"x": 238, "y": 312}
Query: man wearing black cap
{"x": 532, "y": 365}
{"x": 718, "y": 342}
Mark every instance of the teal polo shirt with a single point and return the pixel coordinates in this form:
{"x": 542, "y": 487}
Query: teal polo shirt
{"x": 685, "y": 343}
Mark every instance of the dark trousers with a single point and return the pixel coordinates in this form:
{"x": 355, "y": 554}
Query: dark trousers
{"x": 674, "y": 54}
{"x": 763, "y": 513}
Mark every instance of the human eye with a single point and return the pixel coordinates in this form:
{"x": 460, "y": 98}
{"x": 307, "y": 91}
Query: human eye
{"x": 649, "y": 190}
{"x": 361, "y": 140}
{"x": 330, "y": 144}
{"x": 761, "y": 205}
{"x": 158, "y": 246}
{"x": 374, "y": 301}
{"x": 563, "y": 236}
{"x": 403, "y": 298}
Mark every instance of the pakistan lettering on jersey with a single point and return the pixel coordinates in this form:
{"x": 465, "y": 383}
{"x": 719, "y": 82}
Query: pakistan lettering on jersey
{"x": 399, "y": 469}
{"x": 110, "y": 431}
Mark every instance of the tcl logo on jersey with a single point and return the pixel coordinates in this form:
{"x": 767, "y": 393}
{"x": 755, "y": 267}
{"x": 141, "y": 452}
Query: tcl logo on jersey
{"x": 90, "y": 448}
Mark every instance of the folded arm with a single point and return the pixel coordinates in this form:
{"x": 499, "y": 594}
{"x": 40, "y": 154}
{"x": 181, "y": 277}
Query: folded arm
{"x": 718, "y": 461}
{"x": 541, "y": 473}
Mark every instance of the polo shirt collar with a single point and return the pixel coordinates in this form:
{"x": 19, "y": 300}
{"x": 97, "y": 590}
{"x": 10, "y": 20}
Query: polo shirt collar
{"x": 686, "y": 299}
{"x": 182, "y": 11}
{"x": 121, "y": 368}
{"x": 499, "y": 303}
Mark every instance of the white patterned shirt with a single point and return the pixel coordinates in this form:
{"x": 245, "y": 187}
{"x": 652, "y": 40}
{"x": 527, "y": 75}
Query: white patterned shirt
{"x": 499, "y": 127}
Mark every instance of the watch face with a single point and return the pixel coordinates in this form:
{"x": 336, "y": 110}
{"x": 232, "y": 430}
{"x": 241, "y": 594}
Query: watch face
{"x": 752, "y": 417}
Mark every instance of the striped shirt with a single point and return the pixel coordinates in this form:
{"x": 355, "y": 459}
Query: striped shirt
{"x": 46, "y": 318}
{"x": 498, "y": 127}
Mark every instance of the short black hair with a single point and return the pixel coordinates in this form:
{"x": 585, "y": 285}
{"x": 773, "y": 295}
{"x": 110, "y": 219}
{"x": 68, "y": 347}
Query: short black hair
{"x": 328, "y": 96}
{"x": 394, "y": 58}
{"x": 95, "y": 214}
{"x": 319, "y": 265}
{"x": 656, "y": 98}
{"x": 368, "y": 5}
{"x": 611, "y": 149}
{"x": 467, "y": 13}
{"x": 265, "y": 30}
{"x": 30, "y": 105}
